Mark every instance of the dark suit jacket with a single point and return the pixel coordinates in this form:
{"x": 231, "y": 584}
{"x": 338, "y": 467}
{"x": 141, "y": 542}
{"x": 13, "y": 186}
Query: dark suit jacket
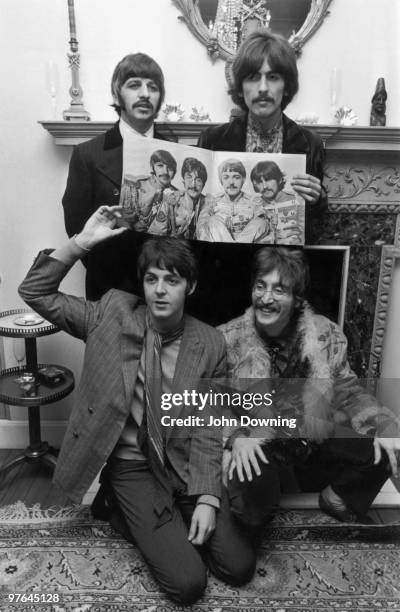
{"x": 94, "y": 179}
{"x": 113, "y": 329}
{"x": 296, "y": 139}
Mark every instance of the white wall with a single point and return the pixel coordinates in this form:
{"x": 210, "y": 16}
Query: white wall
{"x": 359, "y": 37}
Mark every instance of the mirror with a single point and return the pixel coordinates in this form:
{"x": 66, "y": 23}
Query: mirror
{"x": 222, "y": 24}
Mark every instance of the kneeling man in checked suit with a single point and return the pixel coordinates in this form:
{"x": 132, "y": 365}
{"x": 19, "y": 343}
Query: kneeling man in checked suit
{"x": 166, "y": 487}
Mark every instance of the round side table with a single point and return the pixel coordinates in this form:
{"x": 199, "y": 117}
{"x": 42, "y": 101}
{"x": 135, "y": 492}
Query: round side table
{"x": 24, "y": 323}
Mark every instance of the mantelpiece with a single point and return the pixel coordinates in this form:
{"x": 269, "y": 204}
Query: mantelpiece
{"x": 67, "y": 133}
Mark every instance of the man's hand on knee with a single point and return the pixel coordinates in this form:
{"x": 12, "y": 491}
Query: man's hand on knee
{"x": 202, "y": 525}
{"x": 246, "y": 454}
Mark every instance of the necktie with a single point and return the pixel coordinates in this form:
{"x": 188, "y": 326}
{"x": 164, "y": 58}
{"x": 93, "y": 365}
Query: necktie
{"x": 152, "y": 441}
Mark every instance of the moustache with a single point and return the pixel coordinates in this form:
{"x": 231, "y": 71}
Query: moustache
{"x": 143, "y": 104}
{"x": 261, "y": 306}
{"x": 263, "y": 99}
{"x": 267, "y": 191}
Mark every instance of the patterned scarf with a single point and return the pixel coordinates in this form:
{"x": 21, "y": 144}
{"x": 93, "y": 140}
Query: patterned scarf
{"x": 259, "y": 140}
{"x": 150, "y": 436}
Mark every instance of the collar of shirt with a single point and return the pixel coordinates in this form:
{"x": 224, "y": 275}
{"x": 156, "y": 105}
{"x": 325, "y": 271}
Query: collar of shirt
{"x": 127, "y": 130}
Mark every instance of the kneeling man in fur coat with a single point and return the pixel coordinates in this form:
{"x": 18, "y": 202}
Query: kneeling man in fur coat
{"x": 324, "y": 428}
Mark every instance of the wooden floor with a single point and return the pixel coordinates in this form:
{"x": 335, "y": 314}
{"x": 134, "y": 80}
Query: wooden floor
{"x": 31, "y": 484}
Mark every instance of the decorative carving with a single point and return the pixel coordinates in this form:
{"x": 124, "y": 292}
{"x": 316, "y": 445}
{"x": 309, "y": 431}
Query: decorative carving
{"x": 222, "y": 46}
{"x": 74, "y": 59}
{"x": 349, "y": 182}
{"x": 389, "y": 256}
{"x": 364, "y": 207}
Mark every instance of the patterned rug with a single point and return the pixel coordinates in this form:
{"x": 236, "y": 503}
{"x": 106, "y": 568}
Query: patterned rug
{"x": 308, "y": 563}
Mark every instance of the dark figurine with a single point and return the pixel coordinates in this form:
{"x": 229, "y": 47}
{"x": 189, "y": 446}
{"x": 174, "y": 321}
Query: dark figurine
{"x": 378, "y": 110}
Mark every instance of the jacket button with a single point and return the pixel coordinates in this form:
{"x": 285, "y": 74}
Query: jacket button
{"x": 116, "y": 192}
{"x": 75, "y": 434}
{"x": 90, "y": 410}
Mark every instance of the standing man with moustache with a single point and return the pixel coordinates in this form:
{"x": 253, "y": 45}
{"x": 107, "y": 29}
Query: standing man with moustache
{"x": 265, "y": 80}
{"x": 95, "y": 171}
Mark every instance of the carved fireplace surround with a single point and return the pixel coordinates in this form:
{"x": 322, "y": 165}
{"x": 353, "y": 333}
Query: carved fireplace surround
{"x": 362, "y": 177}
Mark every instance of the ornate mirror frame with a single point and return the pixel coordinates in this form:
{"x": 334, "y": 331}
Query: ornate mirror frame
{"x": 192, "y": 17}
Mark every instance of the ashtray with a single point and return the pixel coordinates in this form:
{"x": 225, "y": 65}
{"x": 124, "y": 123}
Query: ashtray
{"x": 28, "y": 384}
{"x": 29, "y": 319}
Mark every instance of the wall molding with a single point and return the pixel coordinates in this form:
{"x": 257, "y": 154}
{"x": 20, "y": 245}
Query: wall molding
{"x": 390, "y": 254}
{"x": 68, "y": 133}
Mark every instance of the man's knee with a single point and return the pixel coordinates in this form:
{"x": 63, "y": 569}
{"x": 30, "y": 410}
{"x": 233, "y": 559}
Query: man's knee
{"x": 240, "y": 569}
{"x": 255, "y": 503}
{"x": 187, "y": 588}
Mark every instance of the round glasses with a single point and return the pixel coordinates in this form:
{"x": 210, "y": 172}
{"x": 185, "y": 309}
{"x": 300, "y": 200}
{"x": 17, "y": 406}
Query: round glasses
{"x": 278, "y": 292}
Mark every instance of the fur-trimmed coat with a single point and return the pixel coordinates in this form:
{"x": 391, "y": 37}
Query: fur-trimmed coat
{"x": 329, "y": 399}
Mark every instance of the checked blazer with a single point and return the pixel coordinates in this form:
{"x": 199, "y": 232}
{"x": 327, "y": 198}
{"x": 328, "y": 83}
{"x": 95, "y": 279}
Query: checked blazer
{"x": 113, "y": 329}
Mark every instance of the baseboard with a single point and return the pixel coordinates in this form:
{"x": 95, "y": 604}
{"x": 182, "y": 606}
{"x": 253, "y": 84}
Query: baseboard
{"x": 15, "y": 434}
{"x": 389, "y": 497}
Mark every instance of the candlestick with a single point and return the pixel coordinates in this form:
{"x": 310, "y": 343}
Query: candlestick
{"x": 71, "y": 15}
{"x": 76, "y": 111}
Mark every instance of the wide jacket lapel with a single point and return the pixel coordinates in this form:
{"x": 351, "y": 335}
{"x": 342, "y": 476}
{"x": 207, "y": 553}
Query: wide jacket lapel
{"x": 132, "y": 337}
{"x": 234, "y": 137}
{"x": 228, "y": 137}
{"x": 110, "y": 164}
{"x": 294, "y": 140}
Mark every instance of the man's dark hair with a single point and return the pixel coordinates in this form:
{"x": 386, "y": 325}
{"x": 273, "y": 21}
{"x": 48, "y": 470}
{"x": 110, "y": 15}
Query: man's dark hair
{"x": 172, "y": 254}
{"x": 137, "y": 65}
{"x": 250, "y": 57}
{"x": 191, "y": 164}
{"x": 291, "y": 265}
{"x": 268, "y": 171}
{"x": 163, "y": 157}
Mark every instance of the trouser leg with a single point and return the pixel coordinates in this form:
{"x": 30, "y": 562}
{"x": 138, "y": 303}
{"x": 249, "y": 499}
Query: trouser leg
{"x": 347, "y": 464}
{"x": 172, "y": 559}
{"x": 359, "y": 481}
{"x": 229, "y": 554}
{"x": 255, "y": 502}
